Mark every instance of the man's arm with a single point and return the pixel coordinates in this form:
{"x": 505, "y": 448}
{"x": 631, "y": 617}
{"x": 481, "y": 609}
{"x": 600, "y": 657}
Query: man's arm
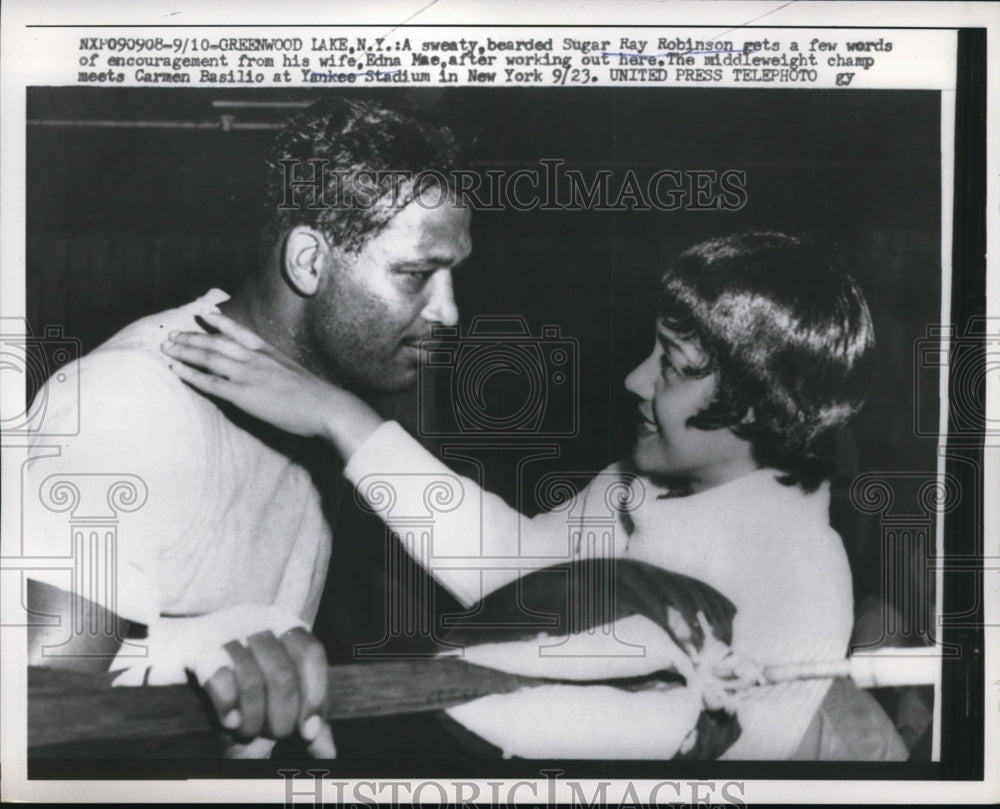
{"x": 272, "y": 686}
{"x": 263, "y": 672}
{"x": 89, "y": 651}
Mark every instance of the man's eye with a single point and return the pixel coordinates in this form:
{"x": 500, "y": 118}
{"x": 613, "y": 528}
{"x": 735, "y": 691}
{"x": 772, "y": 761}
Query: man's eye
{"x": 666, "y": 366}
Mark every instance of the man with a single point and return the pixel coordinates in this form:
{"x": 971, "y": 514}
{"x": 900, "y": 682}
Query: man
{"x": 219, "y": 566}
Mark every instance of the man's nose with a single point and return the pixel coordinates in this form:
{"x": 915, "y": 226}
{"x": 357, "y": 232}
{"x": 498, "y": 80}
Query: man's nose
{"x": 441, "y": 307}
{"x": 642, "y": 380}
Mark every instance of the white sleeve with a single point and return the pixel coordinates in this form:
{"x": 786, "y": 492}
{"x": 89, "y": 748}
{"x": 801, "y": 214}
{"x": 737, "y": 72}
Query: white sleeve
{"x": 101, "y": 502}
{"x": 471, "y": 541}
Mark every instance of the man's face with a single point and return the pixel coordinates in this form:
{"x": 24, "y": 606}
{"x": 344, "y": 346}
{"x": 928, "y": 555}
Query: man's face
{"x": 373, "y": 306}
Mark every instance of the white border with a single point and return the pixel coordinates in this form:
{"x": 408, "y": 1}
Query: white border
{"x": 19, "y": 46}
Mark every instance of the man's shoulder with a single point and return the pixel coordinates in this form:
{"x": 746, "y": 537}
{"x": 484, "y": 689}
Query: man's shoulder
{"x": 146, "y": 334}
{"x": 131, "y": 363}
{"x": 126, "y": 383}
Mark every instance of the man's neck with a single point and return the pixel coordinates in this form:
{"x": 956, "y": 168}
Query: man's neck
{"x": 277, "y": 320}
{"x": 265, "y": 315}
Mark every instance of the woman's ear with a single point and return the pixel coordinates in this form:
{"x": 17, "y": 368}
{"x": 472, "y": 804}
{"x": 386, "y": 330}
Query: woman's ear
{"x": 748, "y": 418}
{"x": 305, "y": 253}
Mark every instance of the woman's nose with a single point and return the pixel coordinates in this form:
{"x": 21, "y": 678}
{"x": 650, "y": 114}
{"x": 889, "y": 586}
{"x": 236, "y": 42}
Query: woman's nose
{"x": 642, "y": 380}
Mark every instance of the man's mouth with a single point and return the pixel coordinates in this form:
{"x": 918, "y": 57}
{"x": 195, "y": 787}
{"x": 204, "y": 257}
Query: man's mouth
{"x": 412, "y": 342}
{"x": 412, "y": 347}
{"x": 415, "y": 340}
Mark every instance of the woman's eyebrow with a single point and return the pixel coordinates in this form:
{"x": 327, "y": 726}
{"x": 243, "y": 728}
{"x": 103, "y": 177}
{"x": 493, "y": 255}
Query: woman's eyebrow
{"x": 665, "y": 338}
{"x": 689, "y": 352}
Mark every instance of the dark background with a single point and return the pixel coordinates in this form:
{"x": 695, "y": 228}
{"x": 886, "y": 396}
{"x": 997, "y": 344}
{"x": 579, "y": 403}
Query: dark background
{"x": 138, "y": 200}
{"x": 126, "y": 221}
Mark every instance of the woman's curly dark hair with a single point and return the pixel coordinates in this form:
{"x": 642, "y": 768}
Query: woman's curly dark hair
{"x": 788, "y": 335}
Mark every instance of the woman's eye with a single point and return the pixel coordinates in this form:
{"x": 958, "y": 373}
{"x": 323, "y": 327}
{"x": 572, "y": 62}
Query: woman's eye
{"x": 666, "y": 367}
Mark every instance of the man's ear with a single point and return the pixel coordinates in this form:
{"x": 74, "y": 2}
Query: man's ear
{"x": 304, "y": 255}
{"x": 748, "y": 418}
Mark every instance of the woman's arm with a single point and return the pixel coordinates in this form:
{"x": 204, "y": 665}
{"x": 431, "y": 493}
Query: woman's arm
{"x": 469, "y": 539}
{"x": 238, "y": 366}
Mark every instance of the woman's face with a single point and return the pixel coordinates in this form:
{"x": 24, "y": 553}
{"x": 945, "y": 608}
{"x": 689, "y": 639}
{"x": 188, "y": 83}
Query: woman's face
{"x": 665, "y": 445}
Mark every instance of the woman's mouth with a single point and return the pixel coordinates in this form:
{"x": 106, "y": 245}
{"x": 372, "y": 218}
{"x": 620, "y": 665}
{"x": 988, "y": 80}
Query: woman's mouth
{"x": 645, "y": 426}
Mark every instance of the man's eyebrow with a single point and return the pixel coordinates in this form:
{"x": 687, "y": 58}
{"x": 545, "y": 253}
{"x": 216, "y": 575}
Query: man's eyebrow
{"x": 440, "y": 260}
{"x": 421, "y": 263}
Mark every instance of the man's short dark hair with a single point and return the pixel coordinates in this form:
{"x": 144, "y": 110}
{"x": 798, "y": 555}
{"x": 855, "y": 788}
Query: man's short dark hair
{"x": 788, "y": 334}
{"x": 373, "y": 161}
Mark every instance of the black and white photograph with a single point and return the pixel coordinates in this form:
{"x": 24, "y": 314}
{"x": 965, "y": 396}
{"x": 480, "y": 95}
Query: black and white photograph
{"x": 387, "y": 437}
